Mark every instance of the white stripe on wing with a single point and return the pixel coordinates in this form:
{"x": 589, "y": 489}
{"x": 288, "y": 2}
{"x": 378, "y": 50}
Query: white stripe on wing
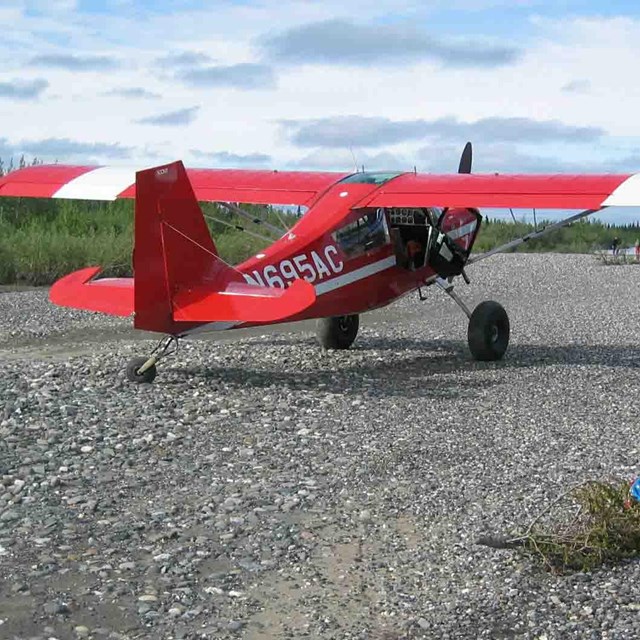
{"x": 625, "y": 195}
{"x": 103, "y": 183}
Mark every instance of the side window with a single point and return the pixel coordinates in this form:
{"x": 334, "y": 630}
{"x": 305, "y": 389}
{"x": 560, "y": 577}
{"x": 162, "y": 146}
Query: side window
{"x": 367, "y": 233}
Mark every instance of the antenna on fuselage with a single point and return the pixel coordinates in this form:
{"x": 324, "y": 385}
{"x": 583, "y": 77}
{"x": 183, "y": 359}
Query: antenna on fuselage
{"x": 355, "y": 161}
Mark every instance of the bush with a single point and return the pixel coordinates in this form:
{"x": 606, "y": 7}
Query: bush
{"x": 42, "y": 240}
{"x": 593, "y": 523}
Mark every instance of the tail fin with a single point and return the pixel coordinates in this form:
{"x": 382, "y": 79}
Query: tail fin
{"x": 178, "y": 274}
{"x": 173, "y": 247}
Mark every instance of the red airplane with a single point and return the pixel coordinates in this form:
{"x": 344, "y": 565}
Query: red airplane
{"x": 367, "y": 239}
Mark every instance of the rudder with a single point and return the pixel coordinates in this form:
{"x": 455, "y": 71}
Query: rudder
{"x": 173, "y": 247}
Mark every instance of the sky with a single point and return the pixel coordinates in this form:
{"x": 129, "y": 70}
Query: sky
{"x": 538, "y": 86}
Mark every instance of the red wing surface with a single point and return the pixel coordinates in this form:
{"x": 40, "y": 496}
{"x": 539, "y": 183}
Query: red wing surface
{"x": 209, "y": 185}
{"x": 504, "y": 191}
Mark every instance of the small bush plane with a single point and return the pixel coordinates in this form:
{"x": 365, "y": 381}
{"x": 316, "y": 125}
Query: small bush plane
{"x": 366, "y": 239}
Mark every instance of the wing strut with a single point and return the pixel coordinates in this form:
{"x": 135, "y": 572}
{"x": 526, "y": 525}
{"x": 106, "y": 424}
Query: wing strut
{"x": 241, "y": 212}
{"x": 512, "y": 244}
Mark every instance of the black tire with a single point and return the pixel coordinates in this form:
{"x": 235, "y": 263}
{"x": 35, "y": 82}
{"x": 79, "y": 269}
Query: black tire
{"x": 338, "y": 332}
{"x": 132, "y": 371}
{"x": 488, "y": 333}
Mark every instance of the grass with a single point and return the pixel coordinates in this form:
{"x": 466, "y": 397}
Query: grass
{"x": 591, "y": 524}
{"x": 42, "y": 240}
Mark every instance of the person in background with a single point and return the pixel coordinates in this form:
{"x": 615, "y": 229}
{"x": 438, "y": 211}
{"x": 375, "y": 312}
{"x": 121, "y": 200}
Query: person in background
{"x": 615, "y": 246}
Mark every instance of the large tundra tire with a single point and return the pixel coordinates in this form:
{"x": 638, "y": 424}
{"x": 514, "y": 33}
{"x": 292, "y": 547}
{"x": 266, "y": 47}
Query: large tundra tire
{"x": 338, "y": 332}
{"x": 488, "y": 333}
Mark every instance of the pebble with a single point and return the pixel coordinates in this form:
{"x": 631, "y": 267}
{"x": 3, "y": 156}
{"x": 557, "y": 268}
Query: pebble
{"x": 235, "y": 625}
{"x": 365, "y": 515}
{"x": 148, "y": 598}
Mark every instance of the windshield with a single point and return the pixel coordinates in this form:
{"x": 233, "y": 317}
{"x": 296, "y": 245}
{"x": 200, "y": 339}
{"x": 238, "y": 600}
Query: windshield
{"x": 372, "y": 177}
{"x": 367, "y": 233}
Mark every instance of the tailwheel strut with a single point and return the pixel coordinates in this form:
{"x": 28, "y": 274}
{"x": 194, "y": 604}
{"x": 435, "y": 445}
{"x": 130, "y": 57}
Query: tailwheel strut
{"x": 144, "y": 369}
{"x": 488, "y": 331}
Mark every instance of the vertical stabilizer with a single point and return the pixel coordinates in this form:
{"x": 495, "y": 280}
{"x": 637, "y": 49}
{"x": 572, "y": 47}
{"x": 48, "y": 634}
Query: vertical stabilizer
{"x": 173, "y": 246}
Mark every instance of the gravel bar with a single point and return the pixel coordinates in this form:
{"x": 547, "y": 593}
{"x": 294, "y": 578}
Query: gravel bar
{"x": 262, "y": 488}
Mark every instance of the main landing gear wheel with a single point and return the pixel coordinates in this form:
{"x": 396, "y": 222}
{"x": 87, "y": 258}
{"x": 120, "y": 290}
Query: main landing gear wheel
{"x": 133, "y": 371}
{"x": 338, "y": 332}
{"x": 488, "y": 333}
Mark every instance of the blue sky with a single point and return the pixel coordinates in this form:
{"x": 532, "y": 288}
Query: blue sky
{"x": 538, "y": 86}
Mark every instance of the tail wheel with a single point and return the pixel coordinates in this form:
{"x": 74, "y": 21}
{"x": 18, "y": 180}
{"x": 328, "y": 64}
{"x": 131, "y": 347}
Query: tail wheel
{"x": 488, "y": 333}
{"x": 338, "y": 332}
{"x": 134, "y": 376}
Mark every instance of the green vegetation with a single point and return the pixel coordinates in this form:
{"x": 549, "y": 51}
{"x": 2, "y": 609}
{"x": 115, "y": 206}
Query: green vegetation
{"x": 585, "y": 236}
{"x": 591, "y": 524}
{"x": 41, "y": 240}
{"x": 604, "y": 527}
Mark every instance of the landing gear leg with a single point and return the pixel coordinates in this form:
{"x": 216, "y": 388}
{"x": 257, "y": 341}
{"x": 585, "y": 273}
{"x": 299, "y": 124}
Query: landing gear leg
{"x": 447, "y": 287}
{"x": 144, "y": 369}
{"x": 488, "y": 331}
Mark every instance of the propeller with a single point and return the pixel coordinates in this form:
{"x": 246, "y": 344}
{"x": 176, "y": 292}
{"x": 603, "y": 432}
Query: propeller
{"x": 466, "y": 159}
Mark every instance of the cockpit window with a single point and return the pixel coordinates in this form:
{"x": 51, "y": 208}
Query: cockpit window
{"x": 371, "y": 177}
{"x": 365, "y": 234}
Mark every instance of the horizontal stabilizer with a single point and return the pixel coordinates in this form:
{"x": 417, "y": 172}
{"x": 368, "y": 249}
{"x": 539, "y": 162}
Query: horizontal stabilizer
{"x": 113, "y": 296}
{"x": 240, "y": 302}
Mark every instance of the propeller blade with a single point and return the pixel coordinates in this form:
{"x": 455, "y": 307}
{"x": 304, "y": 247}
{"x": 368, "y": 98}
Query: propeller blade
{"x": 466, "y": 159}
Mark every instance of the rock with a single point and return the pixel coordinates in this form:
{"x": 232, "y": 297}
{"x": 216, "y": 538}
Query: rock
{"x": 365, "y": 515}
{"x": 9, "y": 516}
{"x": 148, "y": 598}
{"x": 235, "y": 625}
{"x": 162, "y": 557}
{"x": 57, "y": 608}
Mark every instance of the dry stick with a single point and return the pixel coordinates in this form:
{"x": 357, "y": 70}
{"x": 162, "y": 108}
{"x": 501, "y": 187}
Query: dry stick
{"x": 520, "y": 540}
{"x": 564, "y": 494}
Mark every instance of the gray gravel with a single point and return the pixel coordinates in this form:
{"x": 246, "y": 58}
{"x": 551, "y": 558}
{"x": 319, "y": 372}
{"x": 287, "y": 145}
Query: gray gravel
{"x": 265, "y": 489}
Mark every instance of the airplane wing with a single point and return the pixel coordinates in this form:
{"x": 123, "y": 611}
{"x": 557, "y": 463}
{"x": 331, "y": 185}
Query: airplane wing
{"x": 508, "y": 191}
{"x": 302, "y": 188}
{"x": 209, "y": 185}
